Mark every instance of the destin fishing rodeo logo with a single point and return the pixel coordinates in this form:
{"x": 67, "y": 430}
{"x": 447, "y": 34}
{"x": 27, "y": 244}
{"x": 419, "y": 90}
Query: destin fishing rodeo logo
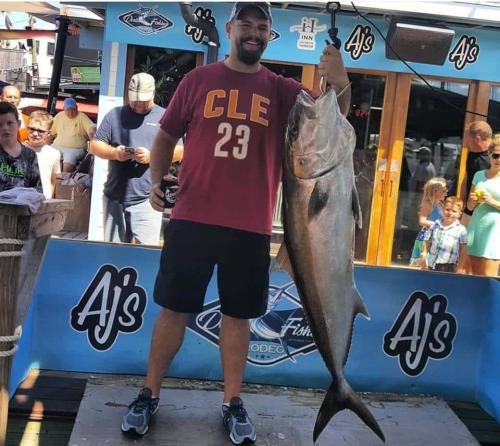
{"x": 279, "y": 335}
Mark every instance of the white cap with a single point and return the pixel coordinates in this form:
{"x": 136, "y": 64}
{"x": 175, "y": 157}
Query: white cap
{"x": 141, "y": 87}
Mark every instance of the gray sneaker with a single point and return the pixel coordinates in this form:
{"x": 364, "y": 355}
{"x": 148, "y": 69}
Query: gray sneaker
{"x": 140, "y": 411}
{"x": 237, "y": 423}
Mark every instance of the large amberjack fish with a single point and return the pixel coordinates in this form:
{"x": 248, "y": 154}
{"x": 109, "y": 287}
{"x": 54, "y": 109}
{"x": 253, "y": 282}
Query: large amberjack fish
{"x": 320, "y": 209}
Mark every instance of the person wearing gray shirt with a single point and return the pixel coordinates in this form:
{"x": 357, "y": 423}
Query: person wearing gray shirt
{"x": 125, "y": 137}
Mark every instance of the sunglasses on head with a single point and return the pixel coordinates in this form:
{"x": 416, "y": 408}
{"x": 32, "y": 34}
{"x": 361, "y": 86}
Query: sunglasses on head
{"x": 33, "y": 129}
{"x": 495, "y": 156}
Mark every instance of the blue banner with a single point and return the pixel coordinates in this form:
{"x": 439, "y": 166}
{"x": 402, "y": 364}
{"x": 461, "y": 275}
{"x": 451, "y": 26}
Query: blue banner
{"x": 430, "y": 333}
{"x": 299, "y": 37}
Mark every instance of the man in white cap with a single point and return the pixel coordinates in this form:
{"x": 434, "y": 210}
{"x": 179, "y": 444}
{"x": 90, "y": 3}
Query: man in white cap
{"x": 125, "y": 137}
{"x": 71, "y": 130}
{"x": 234, "y": 114}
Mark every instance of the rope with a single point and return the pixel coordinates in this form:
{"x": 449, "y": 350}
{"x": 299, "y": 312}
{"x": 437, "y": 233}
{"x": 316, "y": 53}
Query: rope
{"x": 11, "y": 253}
{"x": 14, "y": 338}
{"x": 343, "y": 90}
{"x": 11, "y": 241}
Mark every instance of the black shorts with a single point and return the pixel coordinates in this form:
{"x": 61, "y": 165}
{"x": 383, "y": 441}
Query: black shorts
{"x": 191, "y": 251}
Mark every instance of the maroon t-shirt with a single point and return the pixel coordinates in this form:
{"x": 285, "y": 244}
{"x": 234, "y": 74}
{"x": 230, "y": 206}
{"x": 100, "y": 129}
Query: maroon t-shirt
{"x": 235, "y": 128}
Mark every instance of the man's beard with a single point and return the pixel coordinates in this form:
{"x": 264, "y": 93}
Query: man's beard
{"x": 249, "y": 57}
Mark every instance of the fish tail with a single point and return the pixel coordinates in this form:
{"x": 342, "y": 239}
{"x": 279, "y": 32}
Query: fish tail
{"x": 341, "y": 396}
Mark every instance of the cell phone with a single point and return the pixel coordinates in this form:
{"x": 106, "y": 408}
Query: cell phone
{"x": 130, "y": 150}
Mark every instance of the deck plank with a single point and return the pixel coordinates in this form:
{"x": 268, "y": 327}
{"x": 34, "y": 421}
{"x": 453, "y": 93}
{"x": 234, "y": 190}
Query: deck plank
{"x": 22, "y": 432}
{"x": 41, "y": 396}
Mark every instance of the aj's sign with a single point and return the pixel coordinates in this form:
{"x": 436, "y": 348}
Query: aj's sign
{"x": 112, "y": 303}
{"x": 423, "y": 330}
{"x": 466, "y": 51}
{"x": 361, "y": 41}
{"x": 197, "y": 34}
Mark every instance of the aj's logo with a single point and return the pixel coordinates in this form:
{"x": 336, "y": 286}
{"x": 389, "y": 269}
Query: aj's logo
{"x": 422, "y": 330}
{"x": 466, "y": 51}
{"x": 308, "y": 28}
{"x": 145, "y": 21}
{"x": 198, "y": 34}
{"x": 275, "y": 35}
{"x": 280, "y": 335}
{"x": 113, "y": 302}
{"x": 360, "y": 42}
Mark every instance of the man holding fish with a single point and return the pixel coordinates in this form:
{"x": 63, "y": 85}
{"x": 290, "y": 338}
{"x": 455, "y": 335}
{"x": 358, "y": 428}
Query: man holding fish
{"x": 234, "y": 114}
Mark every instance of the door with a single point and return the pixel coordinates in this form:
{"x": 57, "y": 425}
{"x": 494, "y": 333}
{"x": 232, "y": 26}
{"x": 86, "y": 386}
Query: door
{"x": 367, "y": 107}
{"x": 431, "y": 147}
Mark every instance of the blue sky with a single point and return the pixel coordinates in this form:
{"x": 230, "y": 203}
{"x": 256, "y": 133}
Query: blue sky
{"x": 20, "y": 19}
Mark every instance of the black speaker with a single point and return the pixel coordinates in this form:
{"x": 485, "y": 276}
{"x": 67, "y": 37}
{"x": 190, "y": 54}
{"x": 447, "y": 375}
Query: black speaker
{"x": 418, "y": 43}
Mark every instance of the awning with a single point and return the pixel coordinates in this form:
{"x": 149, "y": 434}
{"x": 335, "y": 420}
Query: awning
{"x": 29, "y": 105}
{"x": 29, "y": 7}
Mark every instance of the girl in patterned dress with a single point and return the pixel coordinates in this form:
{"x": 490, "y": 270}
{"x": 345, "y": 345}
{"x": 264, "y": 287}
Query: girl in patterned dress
{"x": 431, "y": 209}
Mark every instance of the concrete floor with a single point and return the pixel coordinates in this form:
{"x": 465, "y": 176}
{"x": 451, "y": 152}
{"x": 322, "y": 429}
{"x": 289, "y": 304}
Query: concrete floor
{"x": 190, "y": 416}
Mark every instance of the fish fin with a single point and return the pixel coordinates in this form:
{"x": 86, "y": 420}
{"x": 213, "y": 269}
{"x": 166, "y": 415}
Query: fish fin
{"x": 359, "y": 305}
{"x": 341, "y": 396}
{"x": 318, "y": 200}
{"x": 356, "y": 207}
{"x": 282, "y": 261}
{"x": 284, "y": 344}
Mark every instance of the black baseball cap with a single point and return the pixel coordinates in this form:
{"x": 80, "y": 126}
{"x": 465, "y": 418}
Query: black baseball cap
{"x": 264, "y": 7}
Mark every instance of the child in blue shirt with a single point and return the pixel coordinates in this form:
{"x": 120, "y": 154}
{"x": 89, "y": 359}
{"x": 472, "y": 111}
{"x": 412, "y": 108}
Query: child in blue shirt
{"x": 445, "y": 242}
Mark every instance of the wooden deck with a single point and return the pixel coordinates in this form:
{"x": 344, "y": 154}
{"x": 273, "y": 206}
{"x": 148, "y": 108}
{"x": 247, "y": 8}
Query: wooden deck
{"x": 480, "y": 424}
{"x": 43, "y": 410}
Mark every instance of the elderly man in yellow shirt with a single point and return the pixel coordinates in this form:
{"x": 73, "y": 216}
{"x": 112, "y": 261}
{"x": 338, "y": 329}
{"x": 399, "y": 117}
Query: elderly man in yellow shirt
{"x": 71, "y": 129}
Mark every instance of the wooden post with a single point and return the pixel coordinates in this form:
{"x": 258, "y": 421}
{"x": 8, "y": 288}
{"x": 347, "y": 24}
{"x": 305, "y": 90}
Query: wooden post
{"x": 23, "y": 239}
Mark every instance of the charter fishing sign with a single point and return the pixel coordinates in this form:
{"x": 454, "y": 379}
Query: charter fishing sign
{"x": 279, "y": 335}
{"x": 145, "y": 20}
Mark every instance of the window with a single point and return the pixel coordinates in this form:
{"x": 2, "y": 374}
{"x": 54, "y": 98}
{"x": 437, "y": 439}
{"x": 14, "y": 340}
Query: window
{"x": 51, "y": 47}
{"x": 365, "y": 115}
{"x": 432, "y": 147}
{"x": 494, "y": 108}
